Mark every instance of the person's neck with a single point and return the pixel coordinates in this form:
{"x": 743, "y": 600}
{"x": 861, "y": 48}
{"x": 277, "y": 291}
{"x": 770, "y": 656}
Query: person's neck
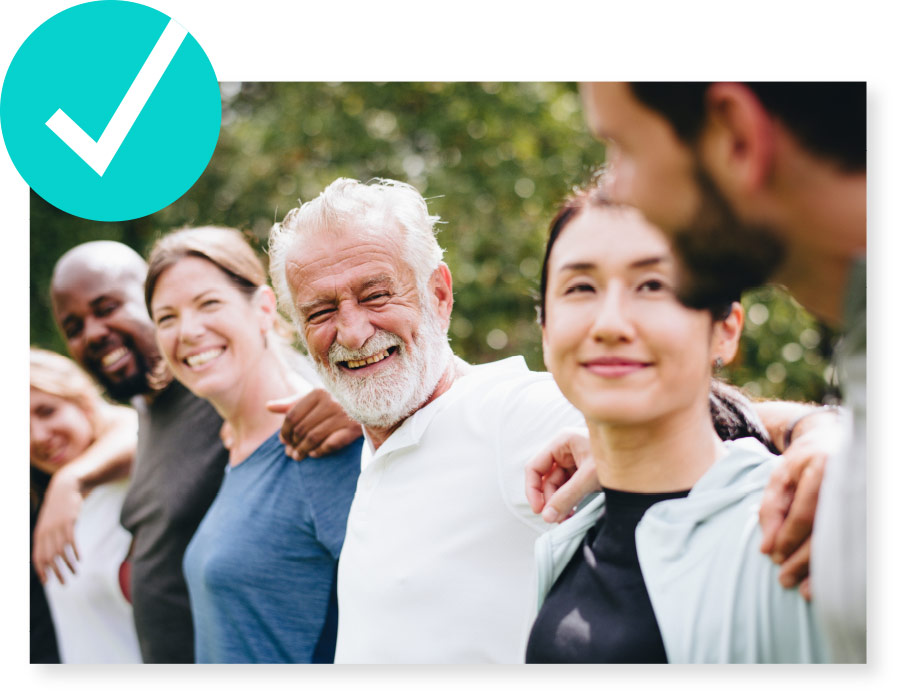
{"x": 455, "y": 368}
{"x": 669, "y": 454}
{"x": 824, "y": 218}
{"x": 244, "y": 409}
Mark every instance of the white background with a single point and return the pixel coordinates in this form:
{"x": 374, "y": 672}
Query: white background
{"x": 483, "y": 40}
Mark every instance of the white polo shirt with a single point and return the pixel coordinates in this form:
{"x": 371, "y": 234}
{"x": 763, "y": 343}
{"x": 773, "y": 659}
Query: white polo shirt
{"x": 438, "y": 560}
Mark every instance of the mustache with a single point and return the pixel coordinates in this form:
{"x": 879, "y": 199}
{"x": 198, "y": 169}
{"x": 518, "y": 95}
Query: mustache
{"x": 380, "y": 341}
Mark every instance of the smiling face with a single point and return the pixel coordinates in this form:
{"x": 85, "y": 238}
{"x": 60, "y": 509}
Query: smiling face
{"x": 100, "y": 310}
{"x": 621, "y": 347}
{"x": 60, "y": 431}
{"x": 379, "y": 345}
{"x": 208, "y": 330}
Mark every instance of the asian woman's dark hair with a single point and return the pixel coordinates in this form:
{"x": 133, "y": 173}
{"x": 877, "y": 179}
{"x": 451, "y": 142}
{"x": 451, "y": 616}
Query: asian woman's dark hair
{"x": 732, "y": 412}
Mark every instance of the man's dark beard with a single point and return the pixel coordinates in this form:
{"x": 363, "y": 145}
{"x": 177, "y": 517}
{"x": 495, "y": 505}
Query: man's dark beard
{"x": 123, "y": 390}
{"x": 722, "y": 255}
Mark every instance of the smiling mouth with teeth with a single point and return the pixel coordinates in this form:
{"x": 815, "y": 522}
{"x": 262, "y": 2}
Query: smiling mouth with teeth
{"x": 113, "y": 356}
{"x": 374, "y": 359}
{"x": 203, "y": 357}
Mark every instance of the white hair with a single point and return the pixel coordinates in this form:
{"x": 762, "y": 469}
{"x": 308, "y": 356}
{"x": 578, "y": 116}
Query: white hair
{"x": 383, "y": 206}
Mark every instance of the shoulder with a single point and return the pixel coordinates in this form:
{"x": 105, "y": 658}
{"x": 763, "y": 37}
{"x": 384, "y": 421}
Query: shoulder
{"x": 745, "y": 467}
{"x": 335, "y": 468}
{"x": 510, "y": 383}
{"x": 267, "y": 462}
{"x": 714, "y": 533}
{"x": 178, "y": 411}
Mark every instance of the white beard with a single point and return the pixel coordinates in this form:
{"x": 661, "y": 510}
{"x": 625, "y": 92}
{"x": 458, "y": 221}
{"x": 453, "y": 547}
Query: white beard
{"x": 386, "y": 398}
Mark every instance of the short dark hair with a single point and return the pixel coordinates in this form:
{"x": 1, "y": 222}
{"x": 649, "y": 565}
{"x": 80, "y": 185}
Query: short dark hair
{"x": 827, "y": 118}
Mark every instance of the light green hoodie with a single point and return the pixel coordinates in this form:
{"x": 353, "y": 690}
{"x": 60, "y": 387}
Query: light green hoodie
{"x": 716, "y": 597}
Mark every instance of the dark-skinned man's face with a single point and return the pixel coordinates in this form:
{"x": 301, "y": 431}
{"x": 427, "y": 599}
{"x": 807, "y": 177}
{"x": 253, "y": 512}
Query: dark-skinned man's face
{"x": 102, "y": 315}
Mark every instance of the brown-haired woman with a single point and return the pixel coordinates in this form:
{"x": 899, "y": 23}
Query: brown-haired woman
{"x": 260, "y": 568}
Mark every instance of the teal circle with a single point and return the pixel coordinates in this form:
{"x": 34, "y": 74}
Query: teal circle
{"x": 83, "y": 61}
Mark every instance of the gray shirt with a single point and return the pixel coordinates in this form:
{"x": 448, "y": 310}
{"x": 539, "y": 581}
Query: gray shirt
{"x": 177, "y": 472}
{"x": 838, "y": 562}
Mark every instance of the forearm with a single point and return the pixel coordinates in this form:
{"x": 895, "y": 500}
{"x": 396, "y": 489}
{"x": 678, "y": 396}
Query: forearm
{"x": 786, "y": 421}
{"x": 109, "y": 457}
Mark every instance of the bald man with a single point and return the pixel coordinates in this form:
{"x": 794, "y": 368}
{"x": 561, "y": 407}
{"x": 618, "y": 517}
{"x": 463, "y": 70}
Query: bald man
{"x": 98, "y": 303}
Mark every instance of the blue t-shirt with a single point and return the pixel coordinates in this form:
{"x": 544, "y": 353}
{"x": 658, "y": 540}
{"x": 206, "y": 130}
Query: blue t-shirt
{"x": 261, "y": 567}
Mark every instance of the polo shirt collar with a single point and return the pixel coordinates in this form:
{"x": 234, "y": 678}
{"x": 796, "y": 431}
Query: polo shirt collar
{"x": 410, "y": 432}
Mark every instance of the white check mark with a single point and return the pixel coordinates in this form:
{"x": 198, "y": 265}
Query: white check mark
{"x": 100, "y": 153}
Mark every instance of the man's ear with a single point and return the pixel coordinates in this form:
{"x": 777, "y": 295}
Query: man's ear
{"x": 441, "y": 285}
{"x": 727, "y": 334}
{"x": 738, "y": 140}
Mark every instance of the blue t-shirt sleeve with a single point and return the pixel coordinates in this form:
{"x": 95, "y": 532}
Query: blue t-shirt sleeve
{"x": 330, "y": 484}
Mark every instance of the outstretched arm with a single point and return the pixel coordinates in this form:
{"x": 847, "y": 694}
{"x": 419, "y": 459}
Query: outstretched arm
{"x": 108, "y": 458}
{"x": 314, "y": 425}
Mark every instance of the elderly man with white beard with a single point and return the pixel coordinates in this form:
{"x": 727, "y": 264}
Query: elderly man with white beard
{"x": 437, "y": 564}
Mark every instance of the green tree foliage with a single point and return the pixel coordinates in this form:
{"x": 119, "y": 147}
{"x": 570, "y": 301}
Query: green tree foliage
{"x": 494, "y": 160}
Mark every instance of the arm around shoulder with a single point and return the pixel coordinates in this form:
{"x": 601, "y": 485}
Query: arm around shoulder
{"x": 107, "y": 459}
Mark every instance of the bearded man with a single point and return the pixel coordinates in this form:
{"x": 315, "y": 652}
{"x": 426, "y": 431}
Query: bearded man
{"x": 438, "y": 558}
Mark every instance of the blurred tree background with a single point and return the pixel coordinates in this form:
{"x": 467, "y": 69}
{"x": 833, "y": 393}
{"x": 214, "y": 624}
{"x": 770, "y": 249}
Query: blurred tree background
{"x": 494, "y": 161}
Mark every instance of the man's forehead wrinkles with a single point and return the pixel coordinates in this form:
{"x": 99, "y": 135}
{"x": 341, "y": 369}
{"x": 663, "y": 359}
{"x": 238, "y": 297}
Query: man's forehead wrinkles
{"x": 334, "y": 288}
{"x": 341, "y": 265}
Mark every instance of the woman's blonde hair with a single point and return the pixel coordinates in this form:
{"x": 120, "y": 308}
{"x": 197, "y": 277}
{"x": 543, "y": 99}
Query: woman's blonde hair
{"x": 61, "y": 377}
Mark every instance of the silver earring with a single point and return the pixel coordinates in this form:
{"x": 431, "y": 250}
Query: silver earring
{"x": 718, "y": 364}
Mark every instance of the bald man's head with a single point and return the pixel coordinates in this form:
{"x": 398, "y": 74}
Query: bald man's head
{"x": 97, "y": 296}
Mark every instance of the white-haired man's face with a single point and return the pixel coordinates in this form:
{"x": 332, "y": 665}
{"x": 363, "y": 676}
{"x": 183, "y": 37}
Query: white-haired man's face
{"x": 380, "y": 347}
